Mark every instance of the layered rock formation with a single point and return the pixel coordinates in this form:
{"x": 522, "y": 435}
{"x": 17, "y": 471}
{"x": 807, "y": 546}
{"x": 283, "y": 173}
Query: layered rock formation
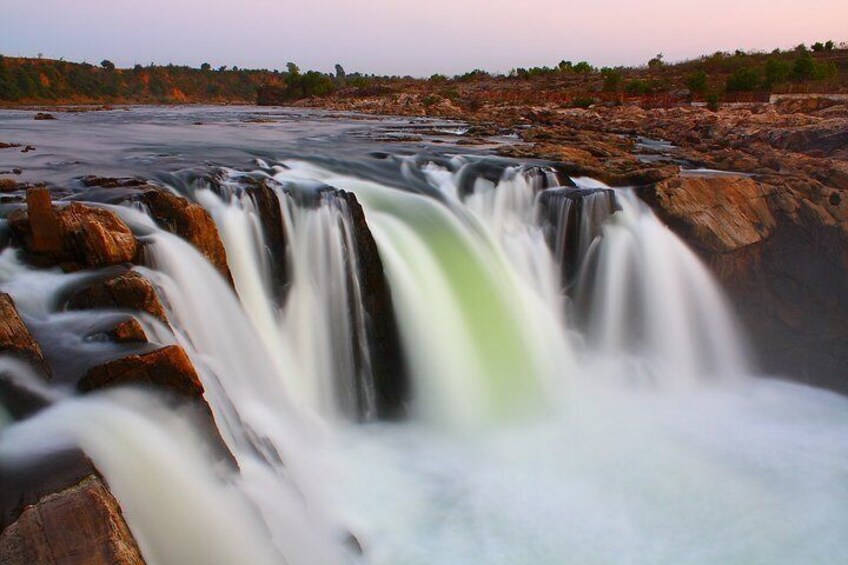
{"x": 780, "y": 248}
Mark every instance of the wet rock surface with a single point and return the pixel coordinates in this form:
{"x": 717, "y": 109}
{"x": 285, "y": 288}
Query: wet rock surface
{"x": 391, "y": 380}
{"x": 74, "y": 237}
{"x": 80, "y": 524}
{"x": 128, "y": 290}
{"x": 15, "y": 338}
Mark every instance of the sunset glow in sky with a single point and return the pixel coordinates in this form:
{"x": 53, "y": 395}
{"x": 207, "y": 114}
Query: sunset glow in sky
{"x": 412, "y": 37}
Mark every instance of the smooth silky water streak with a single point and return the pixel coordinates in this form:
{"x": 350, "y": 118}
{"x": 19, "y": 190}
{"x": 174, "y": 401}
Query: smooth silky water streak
{"x": 474, "y": 352}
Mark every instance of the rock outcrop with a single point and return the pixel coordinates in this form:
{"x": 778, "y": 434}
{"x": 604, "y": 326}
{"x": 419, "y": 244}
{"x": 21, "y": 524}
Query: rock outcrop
{"x": 128, "y": 290}
{"x": 173, "y": 213}
{"x": 780, "y": 247}
{"x": 191, "y": 222}
{"x": 80, "y": 524}
{"x": 169, "y": 370}
{"x": 15, "y": 339}
{"x": 388, "y": 368}
{"x": 75, "y": 236}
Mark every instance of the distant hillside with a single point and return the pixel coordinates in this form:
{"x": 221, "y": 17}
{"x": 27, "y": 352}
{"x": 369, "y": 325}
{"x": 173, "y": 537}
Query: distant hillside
{"x": 24, "y": 81}
{"x": 739, "y": 76}
{"x": 720, "y": 77}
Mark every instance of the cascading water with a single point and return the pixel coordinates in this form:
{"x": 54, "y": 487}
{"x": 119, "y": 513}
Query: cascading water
{"x": 578, "y": 387}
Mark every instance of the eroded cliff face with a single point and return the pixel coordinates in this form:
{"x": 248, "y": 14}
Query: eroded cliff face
{"x": 779, "y": 246}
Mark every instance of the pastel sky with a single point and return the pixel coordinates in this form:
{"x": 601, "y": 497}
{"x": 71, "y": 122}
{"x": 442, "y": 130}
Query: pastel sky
{"x": 417, "y": 37}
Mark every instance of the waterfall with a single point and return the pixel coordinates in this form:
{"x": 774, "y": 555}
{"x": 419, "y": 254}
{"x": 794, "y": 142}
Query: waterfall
{"x": 642, "y": 292}
{"x": 555, "y": 339}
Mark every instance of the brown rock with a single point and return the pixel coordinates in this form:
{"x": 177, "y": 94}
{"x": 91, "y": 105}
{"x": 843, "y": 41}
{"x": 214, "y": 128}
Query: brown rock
{"x": 128, "y": 331}
{"x": 90, "y": 237}
{"x": 168, "y": 368}
{"x": 129, "y": 290}
{"x": 780, "y": 248}
{"x": 15, "y": 338}
{"x": 191, "y": 222}
{"x": 81, "y": 524}
{"x": 720, "y": 213}
{"x": 44, "y": 222}
{"x": 44, "y": 116}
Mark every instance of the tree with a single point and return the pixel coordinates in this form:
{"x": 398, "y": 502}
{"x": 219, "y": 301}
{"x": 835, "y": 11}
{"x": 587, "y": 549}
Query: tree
{"x": 612, "y": 79}
{"x": 804, "y": 67}
{"x": 565, "y": 66}
{"x": 205, "y": 67}
{"x": 697, "y": 82}
{"x": 340, "y": 72}
{"x": 583, "y": 68}
{"x": 828, "y": 46}
{"x": 744, "y": 79}
{"x": 107, "y": 64}
{"x": 292, "y": 69}
{"x": 777, "y": 72}
{"x": 818, "y": 46}
{"x": 656, "y": 62}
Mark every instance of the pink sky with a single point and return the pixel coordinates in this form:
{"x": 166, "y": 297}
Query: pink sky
{"x": 418, "y": 38}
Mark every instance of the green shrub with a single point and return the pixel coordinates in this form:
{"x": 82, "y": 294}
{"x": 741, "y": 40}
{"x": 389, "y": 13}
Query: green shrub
{"x": 612, "y": 79}
{"x": 777, "y": 72}
{"x": 745, "y": 79}
{"x": 697, "y": 82}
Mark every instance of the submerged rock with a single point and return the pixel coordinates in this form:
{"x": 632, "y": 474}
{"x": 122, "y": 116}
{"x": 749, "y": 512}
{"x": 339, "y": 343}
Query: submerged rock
{"x": 268, "y": 207}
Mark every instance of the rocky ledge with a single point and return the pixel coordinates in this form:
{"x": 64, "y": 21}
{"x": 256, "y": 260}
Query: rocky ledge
{"x": 60, "y": 510}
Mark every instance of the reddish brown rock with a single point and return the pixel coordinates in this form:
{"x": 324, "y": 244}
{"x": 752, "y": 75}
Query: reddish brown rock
{"x": 15, "y": 338}
{"x": 168, "y": 368}
{"x": 44, "y": 222}
{"x": 128, "y": 290}
{"x": 89, "y": 237}
{"x": 128, "y": 331}
{"x": 191, "y": 222}
{"x": 80, "y": 524}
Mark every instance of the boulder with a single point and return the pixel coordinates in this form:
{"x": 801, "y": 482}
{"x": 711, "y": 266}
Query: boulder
{"x": 43, "y": 116}
{"x": 716, "y": 213}
{"x": 191, "y": 222}
{"x": 168, "y": 368}
{"x": 15, "y": 339}
{"x": 80, "y": 524}
{"x": 128, "y": 290}
{"x": 171, "y": 212}
{"x": 128, "y": 331}
{"x": 75, "y": 236}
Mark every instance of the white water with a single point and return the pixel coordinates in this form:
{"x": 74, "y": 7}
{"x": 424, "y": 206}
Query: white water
{"x": 633, "y": 435}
